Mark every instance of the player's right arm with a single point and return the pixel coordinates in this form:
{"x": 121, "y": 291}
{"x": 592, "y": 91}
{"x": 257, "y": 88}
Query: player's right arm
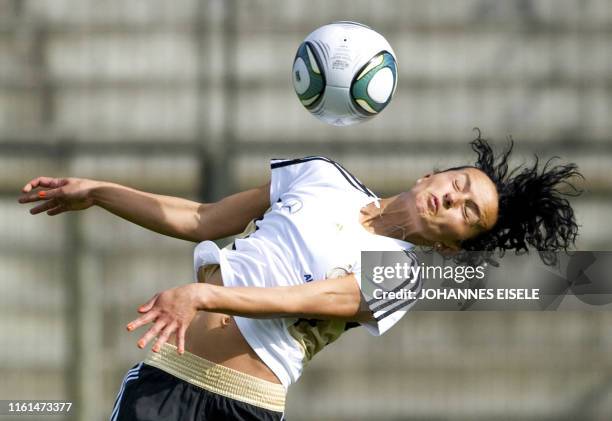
{"x": 172, "y": 216}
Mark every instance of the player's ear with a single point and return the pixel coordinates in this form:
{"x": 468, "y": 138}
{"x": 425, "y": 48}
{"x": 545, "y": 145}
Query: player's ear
{"x": 424, "y": 177}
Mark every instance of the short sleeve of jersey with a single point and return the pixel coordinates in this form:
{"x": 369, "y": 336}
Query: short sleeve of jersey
{"x": 390, "y": 299}
{"x": 289, "y": 173}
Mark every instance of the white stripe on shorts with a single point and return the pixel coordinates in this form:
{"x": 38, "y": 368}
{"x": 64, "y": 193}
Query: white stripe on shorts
{"x": 130, "y": 375}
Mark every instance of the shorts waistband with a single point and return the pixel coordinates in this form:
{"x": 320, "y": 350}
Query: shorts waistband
{"x": 219, "y": 379}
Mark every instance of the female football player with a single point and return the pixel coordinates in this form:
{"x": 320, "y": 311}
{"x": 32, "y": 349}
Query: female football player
{"x": 228, "y": 346}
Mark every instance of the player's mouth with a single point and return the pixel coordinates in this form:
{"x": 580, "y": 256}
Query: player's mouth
{"x": 433, "y": 204}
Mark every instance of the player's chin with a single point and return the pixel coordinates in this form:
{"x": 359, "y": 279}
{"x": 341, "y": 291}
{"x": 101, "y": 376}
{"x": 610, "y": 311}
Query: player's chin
{"x": 429, "y": 230}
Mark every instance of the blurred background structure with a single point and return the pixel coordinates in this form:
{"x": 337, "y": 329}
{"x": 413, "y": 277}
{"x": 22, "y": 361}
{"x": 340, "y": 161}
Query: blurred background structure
{"x": 192, "y": 98}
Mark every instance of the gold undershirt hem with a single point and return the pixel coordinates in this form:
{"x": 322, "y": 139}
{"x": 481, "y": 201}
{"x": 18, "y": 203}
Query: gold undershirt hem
{"x": 219, "y": 379}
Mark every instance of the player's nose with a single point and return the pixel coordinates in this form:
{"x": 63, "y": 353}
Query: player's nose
{"x": 452, "y": 199}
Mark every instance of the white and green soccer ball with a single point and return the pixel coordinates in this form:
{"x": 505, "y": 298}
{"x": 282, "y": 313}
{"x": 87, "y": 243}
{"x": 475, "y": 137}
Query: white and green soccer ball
{"x": 345, "y": 73}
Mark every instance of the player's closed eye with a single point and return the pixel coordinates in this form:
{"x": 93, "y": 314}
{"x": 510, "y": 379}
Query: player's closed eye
{"x": 464, "y": 209}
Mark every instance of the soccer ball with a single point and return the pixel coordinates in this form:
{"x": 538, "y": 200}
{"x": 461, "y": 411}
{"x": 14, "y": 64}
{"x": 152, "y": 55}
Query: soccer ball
{"x": 344, "y": 73}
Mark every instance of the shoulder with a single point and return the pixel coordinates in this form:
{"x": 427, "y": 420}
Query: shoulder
{"x": 302, "y": 165}
{"x": 322, "y": 169}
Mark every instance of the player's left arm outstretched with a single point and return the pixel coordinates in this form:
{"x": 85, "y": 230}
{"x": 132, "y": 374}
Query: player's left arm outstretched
{"x": 171, "y": 311}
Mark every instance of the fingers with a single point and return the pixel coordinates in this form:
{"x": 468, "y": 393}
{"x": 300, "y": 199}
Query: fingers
{"x": 40, "y": 195}
{"x": 175, "y": 326}
{"x": 151, "y": 333}
{"x": 148, "y": 305}
{"x": 47, "y": 182}
{"x": 50, "y": 204}
{"x": 163, "y": 338}
{"x": 52, "y": 184}
{"x": 171, "y": 312}
{"x": 142, "y": 320}
{"x": 56, "y": 210}
{"x": 180, "y": 339}
{"x": 33, "y": 197}
{"x": 32, "y": 184}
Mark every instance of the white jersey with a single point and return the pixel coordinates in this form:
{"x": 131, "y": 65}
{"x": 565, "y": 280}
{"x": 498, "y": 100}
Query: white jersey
{"x": 311, "y": 232}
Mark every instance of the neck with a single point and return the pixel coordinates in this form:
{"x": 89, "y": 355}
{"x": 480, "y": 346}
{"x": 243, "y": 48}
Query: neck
{"x": 393, "y": 219}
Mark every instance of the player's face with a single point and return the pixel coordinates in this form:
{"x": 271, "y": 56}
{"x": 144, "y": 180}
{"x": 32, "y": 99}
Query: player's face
{"x": 455, "y": 205}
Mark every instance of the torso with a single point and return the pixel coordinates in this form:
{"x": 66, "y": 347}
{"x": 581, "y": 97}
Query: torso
{"x": 312, "y": 232}
{"x": 215, "y": 337}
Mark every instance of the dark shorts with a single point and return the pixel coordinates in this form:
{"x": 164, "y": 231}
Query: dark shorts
{"x": 148, "y": 393}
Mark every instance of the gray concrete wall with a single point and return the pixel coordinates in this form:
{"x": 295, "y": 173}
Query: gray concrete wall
{"x": 145, "y": 92}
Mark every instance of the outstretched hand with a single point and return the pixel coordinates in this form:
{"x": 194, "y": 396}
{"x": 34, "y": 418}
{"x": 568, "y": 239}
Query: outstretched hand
{"x": 171, "y": 312}
{"x": 58, "y": 194}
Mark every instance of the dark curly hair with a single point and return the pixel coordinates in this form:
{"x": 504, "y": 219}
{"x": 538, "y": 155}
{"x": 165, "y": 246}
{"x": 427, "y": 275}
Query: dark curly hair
{"x": 533, "y": 211}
